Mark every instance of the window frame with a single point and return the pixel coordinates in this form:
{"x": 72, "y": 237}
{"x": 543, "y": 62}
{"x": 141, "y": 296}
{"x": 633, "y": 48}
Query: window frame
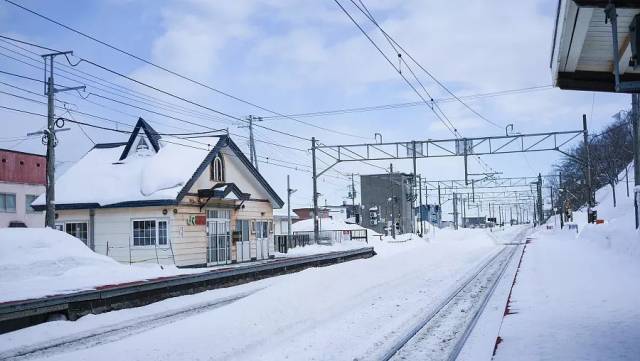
{"x": 217, "y": 175}
{"x": 156, "y": 242}
{"x": 70, "y": 222}
{"x": 4, "y": 208}
{"x": 27, "y": 205}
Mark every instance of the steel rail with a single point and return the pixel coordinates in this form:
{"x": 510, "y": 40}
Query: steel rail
{"x": 393, "y": 350}
{"x": 459, "y": 345}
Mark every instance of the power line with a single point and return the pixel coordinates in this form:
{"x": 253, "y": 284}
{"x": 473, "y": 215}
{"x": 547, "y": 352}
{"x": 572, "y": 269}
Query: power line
{"x": 452, "y": 130}
{"x": 80, "y": 123}
{"x": 172, "y": 72}
{"x": 412, "y": 104}
{"x": 423, "y": 68}
{"x": 168, "y": 93}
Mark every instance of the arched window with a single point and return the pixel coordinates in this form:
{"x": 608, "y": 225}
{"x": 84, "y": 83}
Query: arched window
{"x": 217, "y": 170}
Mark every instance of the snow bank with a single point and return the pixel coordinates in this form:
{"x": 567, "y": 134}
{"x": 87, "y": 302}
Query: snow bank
{"x": 37, "y": 262}
{"x": 618, "y": 232}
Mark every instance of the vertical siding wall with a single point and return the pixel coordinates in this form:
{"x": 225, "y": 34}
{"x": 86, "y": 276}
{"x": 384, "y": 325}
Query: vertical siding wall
{"x": 113, "y": 235}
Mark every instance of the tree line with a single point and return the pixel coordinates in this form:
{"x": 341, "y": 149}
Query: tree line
{"x": 611, "y": 152}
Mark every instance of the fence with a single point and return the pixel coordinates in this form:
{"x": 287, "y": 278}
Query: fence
{"x": 283, "y": 242}
{"x": 337, "y": 236}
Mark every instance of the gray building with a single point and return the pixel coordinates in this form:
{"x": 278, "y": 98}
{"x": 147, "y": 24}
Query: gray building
{"x": 384, "y": 194}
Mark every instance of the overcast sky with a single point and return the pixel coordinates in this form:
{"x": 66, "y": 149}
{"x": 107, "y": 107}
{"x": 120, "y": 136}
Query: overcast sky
{"x": 305, "y": 56}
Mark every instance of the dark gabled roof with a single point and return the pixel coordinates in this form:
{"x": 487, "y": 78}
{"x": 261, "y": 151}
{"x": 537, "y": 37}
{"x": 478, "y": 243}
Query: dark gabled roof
{"x": 226, "y": 141}
{"x": 216, "y": 192}
{"x": 109, "y": 145}
{"x": 152, "y": 135}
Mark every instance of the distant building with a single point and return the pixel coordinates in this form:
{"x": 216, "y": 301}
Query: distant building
{"x": 307, "y": 213}
{"x": 346, "y": 212}
{"x": 280, "y": 221}
{"x": 473, "y": 222}
{"x": 384, "y": 194}
{"x": 431, "y": 213}
{"x": 22, "y": 180}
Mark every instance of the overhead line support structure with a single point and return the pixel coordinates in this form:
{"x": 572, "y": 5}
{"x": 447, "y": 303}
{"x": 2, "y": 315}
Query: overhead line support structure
{"x": 430, "y": 148}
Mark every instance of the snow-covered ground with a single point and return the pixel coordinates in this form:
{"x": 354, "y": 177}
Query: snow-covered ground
{"x": 344, "y": 311}
{"x": 37, "y": 262}
{"x": 577, "y": 294}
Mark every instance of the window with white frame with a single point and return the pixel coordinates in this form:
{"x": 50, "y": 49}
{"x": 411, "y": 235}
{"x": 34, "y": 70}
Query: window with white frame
{"x": 150, "y": 232}
{"x": 261, "y": 229}
{"x": 219, "y": 213}
{"x": 217, "y": 170}
{"x": 8, "y": 202}
{"x": 79, "y": 230}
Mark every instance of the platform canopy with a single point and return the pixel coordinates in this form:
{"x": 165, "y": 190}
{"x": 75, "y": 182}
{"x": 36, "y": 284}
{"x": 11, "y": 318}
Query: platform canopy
{"x": 582, "y": 56}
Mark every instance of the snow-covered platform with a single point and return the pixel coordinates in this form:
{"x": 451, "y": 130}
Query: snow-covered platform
{"x": 74, "y": 281}
{"x": 576, "y": 295}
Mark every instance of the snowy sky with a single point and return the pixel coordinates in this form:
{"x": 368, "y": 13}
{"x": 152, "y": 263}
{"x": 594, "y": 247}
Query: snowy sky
{"x": 303, "y": 56}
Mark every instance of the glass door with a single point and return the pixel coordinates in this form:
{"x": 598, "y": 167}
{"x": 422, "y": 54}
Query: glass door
{"x": 262, "y": 239}
{"x": 243, "y": 245}
{"x": 219, "y": 236}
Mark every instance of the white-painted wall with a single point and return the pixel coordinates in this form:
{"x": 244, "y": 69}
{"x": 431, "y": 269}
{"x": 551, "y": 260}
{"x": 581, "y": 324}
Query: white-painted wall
{"x": 35, "y": 219}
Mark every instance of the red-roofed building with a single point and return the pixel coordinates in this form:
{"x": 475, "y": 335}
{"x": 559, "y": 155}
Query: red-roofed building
{"x": 22, "y": 180}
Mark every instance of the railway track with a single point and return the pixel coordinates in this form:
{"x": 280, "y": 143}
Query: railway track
{"x": 441, "y": 334}
{"x": 118, "y": 331}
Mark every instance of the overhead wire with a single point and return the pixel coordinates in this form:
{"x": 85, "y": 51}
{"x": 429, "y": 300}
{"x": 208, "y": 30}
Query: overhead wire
{"x": 172, "y": 72}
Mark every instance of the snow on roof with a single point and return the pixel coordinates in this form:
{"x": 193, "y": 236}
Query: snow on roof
{"x": 99, "y": 177}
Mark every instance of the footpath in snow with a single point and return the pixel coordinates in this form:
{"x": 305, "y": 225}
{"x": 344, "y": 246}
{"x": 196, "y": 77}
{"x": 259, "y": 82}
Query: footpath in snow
{"x": 577, "y": 294}
{"x": 345, "y": 311}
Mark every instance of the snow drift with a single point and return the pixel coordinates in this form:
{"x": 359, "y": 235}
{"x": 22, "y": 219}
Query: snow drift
{"x": 37, "y": 262}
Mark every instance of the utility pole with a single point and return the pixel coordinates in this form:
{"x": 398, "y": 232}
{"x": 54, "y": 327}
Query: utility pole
{"x": 510, "y": 215}
{"x": 455, "y": 209}
{"x": 353, "y": 197}
{"x": 316, "y": 229}
{"x": 50, "y": 135}
{"x": 420, "y": 206}
{"x": 413, "y": 223}
{"x": 561, "y": 200}
{"x": 636, "y": 154}
{"x": 393, "y": 201}
{"x": 588, "y": 170}
{"x": 540, "y": 205}
{"x": 289, "y": 193}
{"x": 252, "y": 143}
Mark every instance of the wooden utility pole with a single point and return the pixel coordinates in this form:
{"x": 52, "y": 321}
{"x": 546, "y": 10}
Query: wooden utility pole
{"x": 393, "y": 201}
{"x": 636, "y": 154}
{"x": 50, "y": 134}
{"x": 588, "y": 168}
{"x": 316, "y": 228}
{"x": 252, "y": 143}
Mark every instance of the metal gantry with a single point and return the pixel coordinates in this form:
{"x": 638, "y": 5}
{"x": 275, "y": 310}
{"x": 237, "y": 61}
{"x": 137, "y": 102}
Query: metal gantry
{"x": 430, "y": 148}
